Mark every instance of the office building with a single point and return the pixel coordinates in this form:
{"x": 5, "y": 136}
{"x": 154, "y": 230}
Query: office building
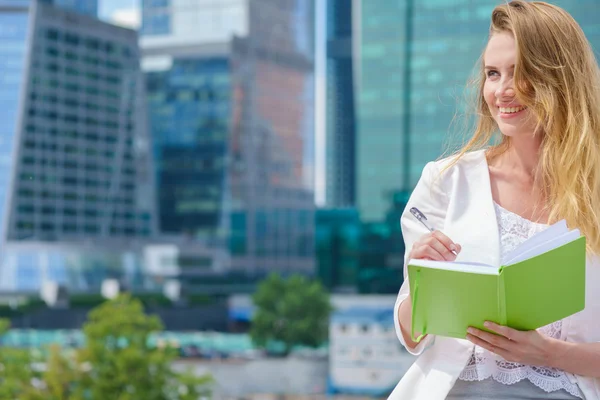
{"x": 412, "y": 61}
{"x": 231, "y": 105}
{"x": 76, "y": 191}
{"x": 338, "y": 248}
{"x": 340, "y": 165}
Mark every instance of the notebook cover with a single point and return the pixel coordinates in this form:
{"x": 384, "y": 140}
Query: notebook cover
{"x": 524, "y": 296}
{"x": 546, "y": 288}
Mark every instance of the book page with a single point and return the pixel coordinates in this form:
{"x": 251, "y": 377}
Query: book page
{"x": 462, "y": 266}
{"x": 544, "y": 236}
{"x": 544, "y": 247}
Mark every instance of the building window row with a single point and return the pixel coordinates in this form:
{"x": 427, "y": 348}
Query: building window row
{"x": 31, "y": 193}
{"x": 55, "y": 84}
{"x": 70, "y": 70}
{"x": 53, "y": 116}
{"x": 27, "y": 229}
{"x": 52, "y": 210}
{"x": 90, "y": 44}
{"x": 52, "y": 99}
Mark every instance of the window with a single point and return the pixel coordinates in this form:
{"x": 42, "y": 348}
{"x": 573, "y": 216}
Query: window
{"x": 52, "y": 34}
{"x": 71, "y": 39}
{"x": 92, "y": 43}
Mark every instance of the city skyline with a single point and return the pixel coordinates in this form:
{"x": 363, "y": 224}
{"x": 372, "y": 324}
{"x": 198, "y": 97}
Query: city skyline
{"x": 127, "y": 13}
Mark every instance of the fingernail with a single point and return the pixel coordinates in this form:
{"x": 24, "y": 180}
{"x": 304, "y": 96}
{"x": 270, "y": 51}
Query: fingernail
{"x": 487, "y": 324}
{"x": 453, "y": 247}
{"x": 470, "y": 330}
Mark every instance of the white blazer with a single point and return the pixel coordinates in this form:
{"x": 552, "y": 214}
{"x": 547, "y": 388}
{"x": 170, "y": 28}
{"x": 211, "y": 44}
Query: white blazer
{"x": 459, "y": 202}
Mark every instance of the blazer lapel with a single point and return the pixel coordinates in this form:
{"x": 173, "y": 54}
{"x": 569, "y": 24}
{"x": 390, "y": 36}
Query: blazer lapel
{"x": 471, "y": 219}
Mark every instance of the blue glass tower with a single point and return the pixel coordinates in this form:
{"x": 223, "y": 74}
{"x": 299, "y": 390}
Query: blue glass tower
{"x": 340, "y": 118}
{"x": 231, "y": 98}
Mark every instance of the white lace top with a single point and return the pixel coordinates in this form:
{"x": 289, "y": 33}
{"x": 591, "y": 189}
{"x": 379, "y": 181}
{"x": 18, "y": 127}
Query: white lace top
{"x": 483, "y": 364}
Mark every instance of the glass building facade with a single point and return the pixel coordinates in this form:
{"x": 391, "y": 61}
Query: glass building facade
{"x": 190, "y": 106}
{"x": 340, "y": 119}
{"x": 337, "y": 237}
{"x": 413, "y": 59}
{"x": 231, "y": 97}
{"x": 75, "y": 149}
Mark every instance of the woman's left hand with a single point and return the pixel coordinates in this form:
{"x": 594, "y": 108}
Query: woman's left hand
{"x": 524, "y": 347}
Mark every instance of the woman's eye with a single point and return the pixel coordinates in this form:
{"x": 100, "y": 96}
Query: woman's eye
{"x": 491, "y": 73}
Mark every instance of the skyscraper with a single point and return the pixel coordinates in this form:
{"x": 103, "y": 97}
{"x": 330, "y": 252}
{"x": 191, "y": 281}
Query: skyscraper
{"x": 76, "y": 192}
{"x": 230, "y": 88}
{"x": 412, "y": 61}
{"x": 340, "y": 127}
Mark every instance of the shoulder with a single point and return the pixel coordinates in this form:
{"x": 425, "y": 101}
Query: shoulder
{"x": 455, "y": 165}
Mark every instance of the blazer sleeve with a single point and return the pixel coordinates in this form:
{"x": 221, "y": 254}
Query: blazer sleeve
{"x": 430, "y": 197}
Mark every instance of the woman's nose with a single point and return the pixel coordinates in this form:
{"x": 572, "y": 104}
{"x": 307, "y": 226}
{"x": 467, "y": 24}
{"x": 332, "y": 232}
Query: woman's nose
{"x": 505, "y": 89}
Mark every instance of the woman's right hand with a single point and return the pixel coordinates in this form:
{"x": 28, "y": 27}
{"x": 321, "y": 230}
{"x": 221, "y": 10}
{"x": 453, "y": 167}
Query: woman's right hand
{"x": 434, "y": 246}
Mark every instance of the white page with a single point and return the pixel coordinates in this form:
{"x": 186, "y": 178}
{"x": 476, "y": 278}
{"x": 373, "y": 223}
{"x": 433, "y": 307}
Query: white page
{"x": 457, "y": 266}
{"x": 545, "y": 246}
{"x": 544, "y": 236}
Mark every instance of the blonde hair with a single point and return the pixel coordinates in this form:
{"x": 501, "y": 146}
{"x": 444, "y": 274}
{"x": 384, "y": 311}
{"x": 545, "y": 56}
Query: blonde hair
{"x": 557, "y": 77}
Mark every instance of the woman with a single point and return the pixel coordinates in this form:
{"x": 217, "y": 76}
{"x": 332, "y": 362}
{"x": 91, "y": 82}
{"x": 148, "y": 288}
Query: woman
{"x": 540, "y": 89}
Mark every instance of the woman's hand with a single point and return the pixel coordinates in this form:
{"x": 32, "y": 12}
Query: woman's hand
{"x": 524, "y": 347}
{"x": 434, "y": 246}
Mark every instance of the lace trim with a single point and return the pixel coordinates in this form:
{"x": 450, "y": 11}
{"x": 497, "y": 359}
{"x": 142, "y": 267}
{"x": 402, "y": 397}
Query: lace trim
{"x": 483, "y": 364}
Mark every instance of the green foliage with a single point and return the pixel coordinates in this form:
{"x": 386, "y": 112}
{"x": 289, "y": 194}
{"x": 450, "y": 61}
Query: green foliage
{"x": 115, "y": 363}
{"x": 293, "y": 311}
{"x": 123, "y": 366}
{"x": 15, "y": 371}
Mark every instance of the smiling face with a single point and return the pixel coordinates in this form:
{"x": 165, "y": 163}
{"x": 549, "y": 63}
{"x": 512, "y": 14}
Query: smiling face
{"x": 498, "y": 91}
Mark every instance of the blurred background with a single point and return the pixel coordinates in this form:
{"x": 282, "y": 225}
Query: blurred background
{"x": 224, "y": 180}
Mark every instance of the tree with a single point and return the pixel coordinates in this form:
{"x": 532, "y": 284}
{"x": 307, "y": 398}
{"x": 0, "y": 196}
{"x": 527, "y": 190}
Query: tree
{"x": 122, "y": 366}
{"x": 115, "y": 363}
{"x": 16, "y": 373}
{"x": 293, "y": 311}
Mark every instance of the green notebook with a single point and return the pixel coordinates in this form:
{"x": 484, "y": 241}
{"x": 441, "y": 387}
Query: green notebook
{"x": 542, "y": 282}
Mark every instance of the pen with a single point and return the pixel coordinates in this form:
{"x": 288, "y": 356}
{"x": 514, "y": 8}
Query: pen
{"x": 423, "y": 219}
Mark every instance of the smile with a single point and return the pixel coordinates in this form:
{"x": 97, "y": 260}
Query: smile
{"x": 509, "y": 112}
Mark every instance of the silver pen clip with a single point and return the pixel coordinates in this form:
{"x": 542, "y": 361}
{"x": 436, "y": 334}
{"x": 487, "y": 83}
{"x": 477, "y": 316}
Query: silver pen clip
{"x": 421, "y": 217}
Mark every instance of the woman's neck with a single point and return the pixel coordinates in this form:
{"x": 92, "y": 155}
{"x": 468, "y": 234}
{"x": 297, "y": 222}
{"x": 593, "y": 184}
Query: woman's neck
{"x": 523, "y": 156}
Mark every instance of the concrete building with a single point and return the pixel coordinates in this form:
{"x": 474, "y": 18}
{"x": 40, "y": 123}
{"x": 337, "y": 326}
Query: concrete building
{"x": 76, "y": 192}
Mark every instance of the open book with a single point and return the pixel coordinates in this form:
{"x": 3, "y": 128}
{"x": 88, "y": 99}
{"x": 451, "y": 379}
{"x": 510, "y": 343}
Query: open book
{"x": 542, "y": 281}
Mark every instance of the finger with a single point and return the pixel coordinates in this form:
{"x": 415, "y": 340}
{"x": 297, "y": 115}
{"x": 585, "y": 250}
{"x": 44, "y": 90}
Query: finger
{"x": 495, "y": 340}
{"x": 509, "y": 333}
{"x": 441, "y": 248}
{"x": 505, "y": 354}
{"x": 431, "y": 253}
{"x": 446, "y": 241}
